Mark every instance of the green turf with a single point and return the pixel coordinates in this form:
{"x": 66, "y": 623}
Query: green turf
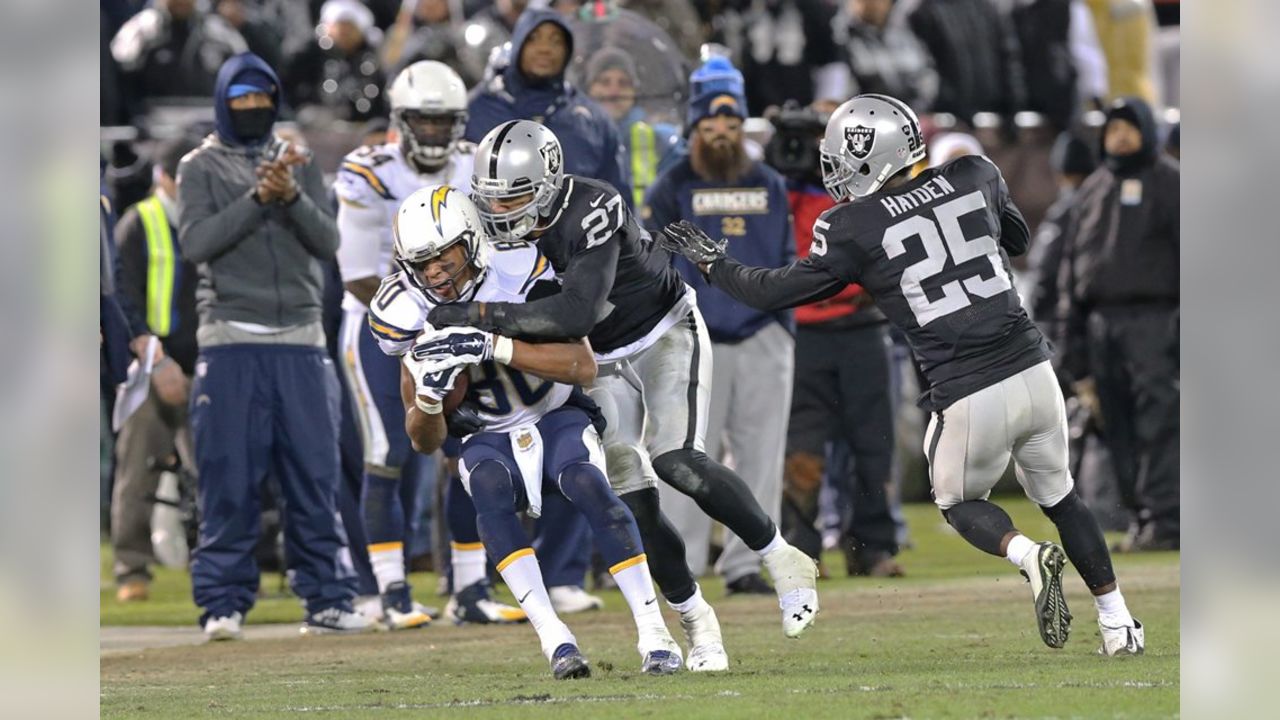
{"x": 954, "y": 639}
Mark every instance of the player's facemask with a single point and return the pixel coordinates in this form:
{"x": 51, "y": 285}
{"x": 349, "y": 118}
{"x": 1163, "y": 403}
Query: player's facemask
{"x": 464, "y": 292}
{"x": 513, "y": 225}
{"x": 428, "y": 138}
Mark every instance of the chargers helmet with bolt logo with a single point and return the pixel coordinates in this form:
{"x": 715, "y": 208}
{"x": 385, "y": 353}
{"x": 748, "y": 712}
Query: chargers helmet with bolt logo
{"x": 516, "y": 159}
{"x": 429, "y": 112}
{"x": 868, "y": 140}
{"x": 429, "y": 222}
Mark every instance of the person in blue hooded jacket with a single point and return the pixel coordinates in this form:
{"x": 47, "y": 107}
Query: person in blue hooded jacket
{"x": 265, "y": 398}
{"x": 533, "y": 87}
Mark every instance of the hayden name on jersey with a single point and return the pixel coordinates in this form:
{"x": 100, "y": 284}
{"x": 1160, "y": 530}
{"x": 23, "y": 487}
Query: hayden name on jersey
{"x": 507, "y": 398}
{"x": 933, "y": 254}
{"x": 372, "y": 182}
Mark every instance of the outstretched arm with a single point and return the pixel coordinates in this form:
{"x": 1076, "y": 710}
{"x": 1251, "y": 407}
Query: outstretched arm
{"x": 799, "y": 283}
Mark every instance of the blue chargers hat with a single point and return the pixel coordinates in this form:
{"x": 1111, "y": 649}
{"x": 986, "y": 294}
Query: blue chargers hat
{"x": 717, "y": 88}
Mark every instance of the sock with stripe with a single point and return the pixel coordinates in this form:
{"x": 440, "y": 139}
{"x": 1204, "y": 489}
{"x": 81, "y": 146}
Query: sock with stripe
{"x": 524, "y": 578}
{"x": 468, "y": 561}
{"x": 633, "y": 580}
{"x": 388, "y": 563}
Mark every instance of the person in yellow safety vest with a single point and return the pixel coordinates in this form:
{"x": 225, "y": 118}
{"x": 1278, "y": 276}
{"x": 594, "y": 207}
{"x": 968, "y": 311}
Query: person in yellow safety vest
{"x": 154, "y": 277}
{"x": 650, "y": 147}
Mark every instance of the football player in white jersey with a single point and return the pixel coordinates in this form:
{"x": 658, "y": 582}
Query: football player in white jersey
{"x": 428, "y": 113}
{"x": 532, "y": 421}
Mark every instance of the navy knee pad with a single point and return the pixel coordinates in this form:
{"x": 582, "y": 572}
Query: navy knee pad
{"x": 719, "y": 493}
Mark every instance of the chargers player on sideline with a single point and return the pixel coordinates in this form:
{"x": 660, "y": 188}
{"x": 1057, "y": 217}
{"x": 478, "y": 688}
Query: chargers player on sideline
{"x": 651, "y": 342}
{"x": 534, "y": 423}
{"x": 429, "y": 112}
{"x": 932, "y": 251}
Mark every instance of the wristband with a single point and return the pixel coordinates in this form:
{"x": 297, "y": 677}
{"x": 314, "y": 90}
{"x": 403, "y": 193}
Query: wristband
{"x": 430, "y": 408}
{"x": 503, "y": 349}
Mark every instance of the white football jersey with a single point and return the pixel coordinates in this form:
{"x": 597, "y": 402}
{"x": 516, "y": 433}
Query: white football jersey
{"x": 372, "y": 182}
{"x": 508, "y": 398}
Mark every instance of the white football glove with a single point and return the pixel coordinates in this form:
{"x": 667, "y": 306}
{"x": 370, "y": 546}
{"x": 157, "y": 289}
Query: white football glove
{"x": 432, "y": 384}
{"x": 449, "y": 347}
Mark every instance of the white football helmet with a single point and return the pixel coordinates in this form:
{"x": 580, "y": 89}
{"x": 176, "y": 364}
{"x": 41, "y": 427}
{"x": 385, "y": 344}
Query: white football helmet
{"x": 428, "y": 111}
{"x": 430, "y": 221}
{"x": 868, "y": 140}
{"x": 517, "y": 158}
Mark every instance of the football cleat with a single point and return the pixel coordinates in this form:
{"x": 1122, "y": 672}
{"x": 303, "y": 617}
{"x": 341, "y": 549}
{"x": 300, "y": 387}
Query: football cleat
{"x": 569, "y": 599}
{"x": 335, "y": 620}
{"x": 795, "y": 577}
{"x": 1123, "y": 640}
{"x": 399, "y": 610}
{"x": 1042, "y": 567}
{"x": 661, "y": 662}
{"x": 750, "y": 584}
{"x": 226, "y": 627}
{"x": 568, "y": 663}
{"x": 473, "y": 605}
{"x": 706, "y": 646}
{"x": 369, "y": 606}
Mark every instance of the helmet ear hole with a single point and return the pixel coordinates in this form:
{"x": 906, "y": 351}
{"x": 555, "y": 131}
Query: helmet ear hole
{"x": 865, "y": 169}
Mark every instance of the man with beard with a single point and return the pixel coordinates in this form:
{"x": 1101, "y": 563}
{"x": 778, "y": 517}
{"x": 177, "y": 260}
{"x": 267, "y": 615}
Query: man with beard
{"x": 723, "y": 191}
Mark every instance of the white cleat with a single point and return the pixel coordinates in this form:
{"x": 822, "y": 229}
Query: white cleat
{"x": 224, "y": 628}
{"x": 795, "y": 577}
{"x": 706, "y": 645}
{"x": 1123, "y": 640}
{"x": 1043, "y": 569}
{"x": 396, "y": 620}
{"x": 335, "y": 621}
{"x": 569, "y": 599}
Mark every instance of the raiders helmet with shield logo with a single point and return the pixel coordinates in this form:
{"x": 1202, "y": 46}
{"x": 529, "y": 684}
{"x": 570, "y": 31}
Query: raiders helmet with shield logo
{"x": 516, "y": 159}
{"x": 868, "y": 140}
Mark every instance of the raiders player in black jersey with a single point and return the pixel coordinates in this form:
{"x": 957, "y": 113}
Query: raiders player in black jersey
{"x": 621, "y": 291}
{"x": 933, "y": 252}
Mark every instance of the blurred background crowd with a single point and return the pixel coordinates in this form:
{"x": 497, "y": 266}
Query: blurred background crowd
{"x": 1029, "y": 83}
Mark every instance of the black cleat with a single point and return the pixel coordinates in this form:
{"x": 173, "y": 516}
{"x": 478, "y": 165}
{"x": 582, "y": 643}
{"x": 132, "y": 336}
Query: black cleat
{"x": 568, "y": 663}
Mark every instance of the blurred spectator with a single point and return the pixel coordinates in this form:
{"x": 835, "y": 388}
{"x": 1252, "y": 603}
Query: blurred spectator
{"x": 1125, "y": 28}
{"x": 154, "y": 277}
{"x": 1173, "y": 144}
{"x": 425, "y": 30}
{"x": 975, "y": 49}
{"x": 1061, "y": 54}
{"x": 532, "y": 87}
{"x": 785, "y": 49}
{"x": 265, "y": 397}
{"x": 676, "y": 17}
{"x": 264, "y": 37}
{"x": 883, "y": 57}
{"x": 843, "y": 389}
{"x": 1119, "y": 299}
{"x": 128, "y": 175}
{"x": 172, "y": 49}
{"x": 340, "y": 70}
{"x": 112, "y": 109}
{"x": 486, "y": 30}
{"x": 724, "y": 192}
{"x": 650, "y": 148}
{"x": 947, "y": 146}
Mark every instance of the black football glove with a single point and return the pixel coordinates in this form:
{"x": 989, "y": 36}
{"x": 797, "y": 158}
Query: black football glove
{"x": 454, "y": 314}
{"x": 464, "y": 420}
{"x": 685, "y": 238}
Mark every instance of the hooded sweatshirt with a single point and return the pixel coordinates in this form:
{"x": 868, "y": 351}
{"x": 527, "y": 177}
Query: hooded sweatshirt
{"x": 259, "y": 264}
{"x": 592, "y": 147}
{"x": 1124, "y": 246}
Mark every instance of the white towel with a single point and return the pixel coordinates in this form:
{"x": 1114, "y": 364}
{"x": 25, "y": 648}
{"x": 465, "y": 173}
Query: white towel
{"x": 526, "y": 446}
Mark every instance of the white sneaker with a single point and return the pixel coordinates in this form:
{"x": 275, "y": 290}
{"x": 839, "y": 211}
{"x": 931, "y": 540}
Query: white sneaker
{"x": 473, "y": 605}
{"x": 369, "y": 606}
{"x": 569, "y": 599}
{"x": 224, "y": 628}
{"x": 795, "y": 577}
{"x": 706, "y": 645}
{"x": 335, "y": 620}
{"x": 1042, "y": 567}
{"x": 1123, "y": 640}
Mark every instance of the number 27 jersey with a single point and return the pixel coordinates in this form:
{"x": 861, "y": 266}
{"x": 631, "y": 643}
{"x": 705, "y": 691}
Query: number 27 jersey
{"x": 506, "y": 398}
{"x": 933, "y": 254}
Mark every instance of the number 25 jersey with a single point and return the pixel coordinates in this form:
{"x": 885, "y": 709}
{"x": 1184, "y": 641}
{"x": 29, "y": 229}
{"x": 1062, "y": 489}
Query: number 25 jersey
{"x": 507, "y": 398}
{"x": 933, "y": 254}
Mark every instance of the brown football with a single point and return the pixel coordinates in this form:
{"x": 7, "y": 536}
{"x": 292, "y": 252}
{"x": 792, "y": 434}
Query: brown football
{"x": 459, "y": 391}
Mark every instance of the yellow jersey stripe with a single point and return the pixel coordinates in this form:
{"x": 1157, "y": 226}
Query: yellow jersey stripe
{"x": 369, "y": 177}
{"x": 387, "y": 331}
{"x": 629, "y": 562}
{"x": 506, "y": 561}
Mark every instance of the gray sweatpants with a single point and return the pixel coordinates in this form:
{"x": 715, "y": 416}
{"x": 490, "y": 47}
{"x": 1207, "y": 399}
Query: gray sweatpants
{"x": 747, "y": 419}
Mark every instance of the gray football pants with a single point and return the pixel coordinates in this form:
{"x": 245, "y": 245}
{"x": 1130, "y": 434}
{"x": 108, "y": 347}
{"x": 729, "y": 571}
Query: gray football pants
{"x": 747, "y": 419}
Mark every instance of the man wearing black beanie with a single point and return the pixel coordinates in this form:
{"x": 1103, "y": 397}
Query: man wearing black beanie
{"x": 1120, "y": 309}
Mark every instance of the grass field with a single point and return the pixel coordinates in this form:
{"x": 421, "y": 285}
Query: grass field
{"x": 954, "y": 639}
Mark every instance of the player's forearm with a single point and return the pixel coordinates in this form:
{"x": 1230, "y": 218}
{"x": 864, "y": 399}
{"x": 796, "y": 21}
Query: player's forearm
{"x": 796, "y": 284}
{"x": 426, "y": 430}
{"x": 570, "y": 363}
{"x": 569, "y": 314}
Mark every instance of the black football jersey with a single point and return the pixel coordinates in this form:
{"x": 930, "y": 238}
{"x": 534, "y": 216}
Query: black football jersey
{"x": 933, "y": 254}
{"x": 589, "y": 215}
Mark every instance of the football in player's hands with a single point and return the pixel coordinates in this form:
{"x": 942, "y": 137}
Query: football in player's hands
{"x": 685, "y": 238}
{"x": 437, "y": 385}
